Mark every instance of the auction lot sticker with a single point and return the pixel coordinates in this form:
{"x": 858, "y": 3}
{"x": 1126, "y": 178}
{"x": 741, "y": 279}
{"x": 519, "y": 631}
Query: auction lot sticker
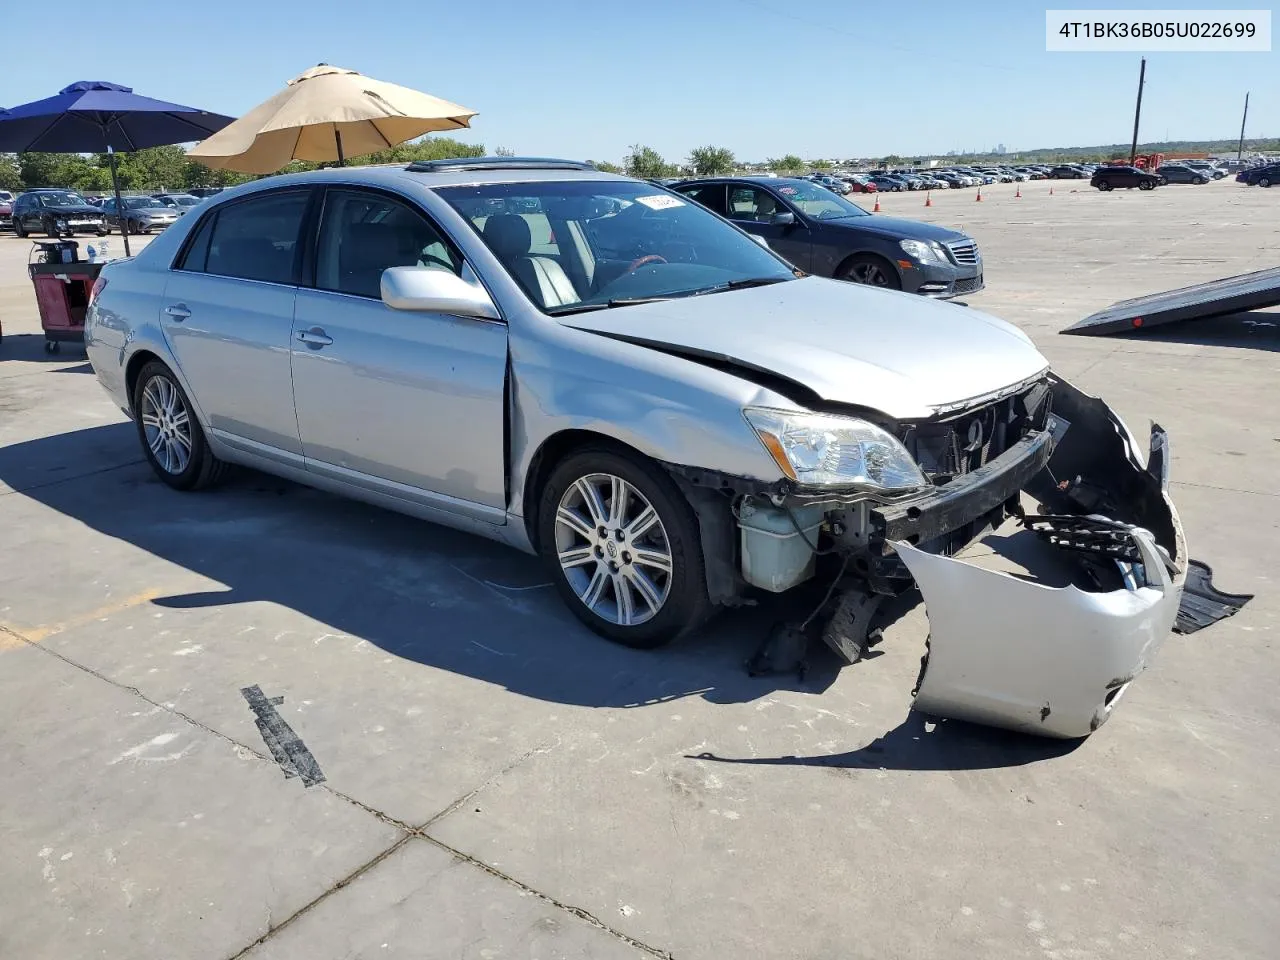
{"x": 660, "y": 202}
{"x": 1140, "y": 31}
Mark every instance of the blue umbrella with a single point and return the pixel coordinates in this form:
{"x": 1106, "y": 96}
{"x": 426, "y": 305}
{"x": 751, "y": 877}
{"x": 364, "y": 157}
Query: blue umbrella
{"x": 92, "y": 116}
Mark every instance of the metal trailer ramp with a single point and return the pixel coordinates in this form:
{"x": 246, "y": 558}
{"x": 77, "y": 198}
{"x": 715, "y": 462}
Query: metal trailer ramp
{"x": 1249, "y": 291}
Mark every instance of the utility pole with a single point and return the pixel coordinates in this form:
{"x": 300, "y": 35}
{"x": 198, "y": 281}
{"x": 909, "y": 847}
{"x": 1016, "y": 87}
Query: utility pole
{"x": 1240, "y": 148}
{"x": 1137, "y": 113}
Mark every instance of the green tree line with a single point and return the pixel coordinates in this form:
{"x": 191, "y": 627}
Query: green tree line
{"x": 169, "y": 168}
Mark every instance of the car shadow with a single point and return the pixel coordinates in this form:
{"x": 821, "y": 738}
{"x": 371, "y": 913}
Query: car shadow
{"x": 1252, "y": 329}
{"x": 924, "y": 743}
{"x": 420, "y": 591}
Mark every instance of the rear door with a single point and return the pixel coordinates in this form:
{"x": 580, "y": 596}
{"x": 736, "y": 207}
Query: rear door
{"x": 406, "y": 404}
{"x": 227, "y": 313}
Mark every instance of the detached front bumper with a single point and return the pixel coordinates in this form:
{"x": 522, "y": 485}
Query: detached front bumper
{"x": 941, "y": 281}
{"x": 1055, "y": 661}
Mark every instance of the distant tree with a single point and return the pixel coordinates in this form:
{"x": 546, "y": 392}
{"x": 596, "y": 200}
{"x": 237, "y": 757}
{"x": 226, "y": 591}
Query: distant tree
{"x": 605, "y": 166}
{"x": 157, "y": 168}
{"x": 10, "y": 175}
{"x": 503, "y": 152}
{"x": 787, "y": 164}
{"x": 712, "y": 161}
{"x": 39, "y": 169}
{"x": 892, "y": 160}
{"x": 820, "y": 164}
{"x": 646, "y": 162}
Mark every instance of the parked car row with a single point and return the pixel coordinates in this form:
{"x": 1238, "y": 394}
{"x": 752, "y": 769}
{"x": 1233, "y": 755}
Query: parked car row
{"x": 64, "y": 213}
{"x": 1263, "y": 176}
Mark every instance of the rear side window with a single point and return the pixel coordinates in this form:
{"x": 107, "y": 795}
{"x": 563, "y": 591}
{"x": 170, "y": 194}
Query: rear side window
{"x": 710, "y": 196}
{"x": 255, "y": 239}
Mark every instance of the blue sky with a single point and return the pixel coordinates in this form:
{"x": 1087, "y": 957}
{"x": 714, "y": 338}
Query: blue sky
{"x": 585, "y": 80}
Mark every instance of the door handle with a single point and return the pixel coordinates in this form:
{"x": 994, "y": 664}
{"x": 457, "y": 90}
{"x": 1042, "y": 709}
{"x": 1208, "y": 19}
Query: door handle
{"x": 178, "y": 311}
{"x": 315, "y": 337}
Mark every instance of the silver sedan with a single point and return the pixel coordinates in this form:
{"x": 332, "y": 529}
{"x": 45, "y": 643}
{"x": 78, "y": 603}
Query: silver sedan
{"x": 599, "y": 371}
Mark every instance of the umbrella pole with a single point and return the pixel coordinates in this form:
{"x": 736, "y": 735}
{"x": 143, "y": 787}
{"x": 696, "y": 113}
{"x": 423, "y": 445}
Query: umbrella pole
{"x": 337, "y": 138}
{"x": 115, "y": 183}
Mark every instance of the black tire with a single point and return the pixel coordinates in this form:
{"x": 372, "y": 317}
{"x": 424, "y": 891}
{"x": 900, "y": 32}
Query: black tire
{"x": 19, "y": 230}
{"x": 871, "y": 271}
{"x": 104, "y": 231}
{"x": 51, "y": 230}
{"x": 203, "y": 469}
{"x": 1104, "y": 186}
{"x": 686, "y": 605}
{"x": 1264, "y": 181}
{"x": 1146, "y": 185}
{"x": 1201, "y": 180}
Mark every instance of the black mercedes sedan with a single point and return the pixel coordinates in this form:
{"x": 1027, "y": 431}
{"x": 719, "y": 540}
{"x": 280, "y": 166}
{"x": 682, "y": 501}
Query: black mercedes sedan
{"x": 825, "y": 234}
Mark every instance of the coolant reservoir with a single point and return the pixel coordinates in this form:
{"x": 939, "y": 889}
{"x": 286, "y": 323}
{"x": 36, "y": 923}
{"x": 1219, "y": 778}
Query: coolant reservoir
{"x": 775, "y": 556}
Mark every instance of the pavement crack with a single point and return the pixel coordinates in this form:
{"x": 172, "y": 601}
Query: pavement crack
{"x": 584, "y": 915}
{"x": 346, "y": 881}
{"x": 488, "y": 782}
{"x": 71, "y": 479}
{"x": 173, "y": 711}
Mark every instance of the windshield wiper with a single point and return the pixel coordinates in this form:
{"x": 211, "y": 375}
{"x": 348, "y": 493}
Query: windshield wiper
{"x": 609, "y": 304}
{"x": 738, "y": 285}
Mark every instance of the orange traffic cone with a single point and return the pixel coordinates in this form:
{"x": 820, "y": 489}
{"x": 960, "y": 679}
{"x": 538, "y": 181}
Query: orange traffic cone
{"x": 979, "y": 198}
{"x": 1018, "y": 192}
{"x": 876, "y": 208}
{"x": 928, "y": 198}
{"x": 1051, "y": 191}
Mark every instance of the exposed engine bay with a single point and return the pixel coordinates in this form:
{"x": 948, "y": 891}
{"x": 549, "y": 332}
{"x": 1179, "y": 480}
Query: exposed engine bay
{"x": 1006, "y": 650}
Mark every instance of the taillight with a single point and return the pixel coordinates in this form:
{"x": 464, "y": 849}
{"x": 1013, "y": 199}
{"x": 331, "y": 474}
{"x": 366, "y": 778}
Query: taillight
{"x": 98, "y": 286}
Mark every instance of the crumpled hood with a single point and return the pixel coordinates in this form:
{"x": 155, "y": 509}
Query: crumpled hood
{"x": 898, "y": 353}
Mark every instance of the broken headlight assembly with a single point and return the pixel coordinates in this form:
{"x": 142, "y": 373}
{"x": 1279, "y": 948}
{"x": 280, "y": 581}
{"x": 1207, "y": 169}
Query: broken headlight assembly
{"x": 823, "y": 450}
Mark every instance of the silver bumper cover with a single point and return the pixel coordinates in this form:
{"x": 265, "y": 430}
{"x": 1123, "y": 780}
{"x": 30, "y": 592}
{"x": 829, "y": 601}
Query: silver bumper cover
{"x": 1055, "y": 661}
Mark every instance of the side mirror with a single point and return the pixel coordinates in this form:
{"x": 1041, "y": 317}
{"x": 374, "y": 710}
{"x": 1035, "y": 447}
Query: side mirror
{"x": 760, "y": 240}
{"x": 429, "y": 290}
{"x": 784, "y": 218}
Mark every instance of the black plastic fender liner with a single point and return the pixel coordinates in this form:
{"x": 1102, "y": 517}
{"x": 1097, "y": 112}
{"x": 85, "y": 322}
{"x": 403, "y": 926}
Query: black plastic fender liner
{"x": 1248, "y": 291}
{"x": 1203, "y": 604}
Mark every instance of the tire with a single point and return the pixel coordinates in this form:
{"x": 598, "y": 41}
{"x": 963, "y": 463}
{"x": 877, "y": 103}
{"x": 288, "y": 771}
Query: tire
{"x": 20, "y": 230}
{"x": 51, "y": 231}
{"x": 158, "y": 397}
{"x": 665, "y": 594}
{"x": 1104, "y": 186}
{"x": 1146, "y": 185}
{"x": 104, "y": 231}
{"x": 1201, "y": 180}
{"x": 1264, "y": 181}
{"x": 871, "y": 271}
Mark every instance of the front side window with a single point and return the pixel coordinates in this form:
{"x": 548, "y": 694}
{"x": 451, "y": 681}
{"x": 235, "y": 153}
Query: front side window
{"x": 363, "y": 234}
{"x": 616, "y": 242}
{"x": 754, "y": 204}
{"x": 254, "y": 239}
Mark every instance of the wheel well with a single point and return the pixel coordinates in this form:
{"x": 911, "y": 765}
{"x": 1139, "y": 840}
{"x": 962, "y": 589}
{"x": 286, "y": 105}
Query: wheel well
{"x": 553, "y": 450}
{"x": 844, "y": 264}
{"x": 136, "y": 363}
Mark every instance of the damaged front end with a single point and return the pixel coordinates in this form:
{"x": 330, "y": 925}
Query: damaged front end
{"x": 1055, "y": 660}
{"x": 1050, "y": 656}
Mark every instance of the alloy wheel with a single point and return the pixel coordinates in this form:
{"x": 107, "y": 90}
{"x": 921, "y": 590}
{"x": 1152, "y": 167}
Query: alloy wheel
{"x": 166, "y": 422}
{"x": 613, "y": 549}
{"x": 868, "y": 273}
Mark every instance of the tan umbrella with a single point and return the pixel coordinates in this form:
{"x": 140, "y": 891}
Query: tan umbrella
{"x": 327, "y": 114}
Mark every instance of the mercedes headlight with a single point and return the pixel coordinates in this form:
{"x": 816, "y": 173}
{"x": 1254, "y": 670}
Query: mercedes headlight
{"x": 924, "y": 251}
{"x": 830, "y": 451}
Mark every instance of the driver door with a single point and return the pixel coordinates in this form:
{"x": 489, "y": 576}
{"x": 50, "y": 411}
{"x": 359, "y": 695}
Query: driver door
{"x": 755, "y": 210}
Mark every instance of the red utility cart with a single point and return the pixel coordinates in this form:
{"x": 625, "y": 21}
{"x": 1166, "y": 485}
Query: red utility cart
{"x": 62, "y": 290}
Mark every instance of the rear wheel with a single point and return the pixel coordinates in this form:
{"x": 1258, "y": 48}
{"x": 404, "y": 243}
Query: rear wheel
{"x": 870, "y": 270}
{"x": 1146, "y": 185}
{"x": 623, "y": 547}
{"x": 172, "y": 439}
{"x": 19, "y": 229}
{"x": 1264, "y": 181}
{"x": 1104, "y": 185}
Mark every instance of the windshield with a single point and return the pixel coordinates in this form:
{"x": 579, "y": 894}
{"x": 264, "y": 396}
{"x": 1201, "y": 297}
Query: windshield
{"x": 818, "y": 202}
{"x": 67, "y": 199}
{"x": 134, "y": 203}
{"x": 185, "y": 201}
{"x": 589, "y": 244}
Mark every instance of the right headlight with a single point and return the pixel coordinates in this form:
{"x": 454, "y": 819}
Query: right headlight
{"x": 824, "y": 450}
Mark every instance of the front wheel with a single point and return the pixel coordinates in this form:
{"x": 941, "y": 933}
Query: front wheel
{"x": 623, "y": 547}
{"x": 872, "y": 271}
{"x": 1146, "y": 185}
{"x": 51, "y": 230}
{"x": 20, "y": 230}
{"x": 1264, "y": 181}
{"x": 172, "y": 439}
